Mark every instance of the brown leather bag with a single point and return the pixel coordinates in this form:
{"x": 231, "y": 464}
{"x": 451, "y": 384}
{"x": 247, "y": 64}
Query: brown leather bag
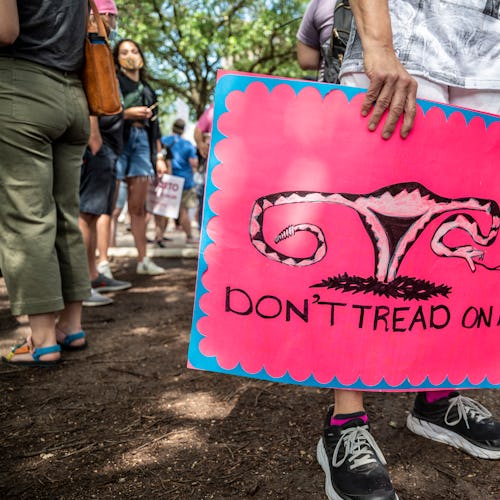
{"x": 99, "y": 75}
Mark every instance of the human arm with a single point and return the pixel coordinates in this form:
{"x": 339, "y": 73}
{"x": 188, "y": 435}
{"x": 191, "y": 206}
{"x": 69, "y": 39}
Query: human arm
{"x": 162, "y": 165}
{"x": 203, "y": 127}
{"x": 200, "y": 142}
{"x": 391, "y": 87}
{"x": 95, "y": 138}
{"x": 9, "y": 22}
{"x": 168, "y": 158}
{"x": 138, "y": 113}
{"x": 309, "y": 34}
{"x": 193, "y": 161}
{"x": 307, "y": 57}
{"x": 169, "y": 166}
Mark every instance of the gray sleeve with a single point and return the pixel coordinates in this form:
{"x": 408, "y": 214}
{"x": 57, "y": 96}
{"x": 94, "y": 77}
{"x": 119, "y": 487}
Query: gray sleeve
{"x": 308, "y": 32}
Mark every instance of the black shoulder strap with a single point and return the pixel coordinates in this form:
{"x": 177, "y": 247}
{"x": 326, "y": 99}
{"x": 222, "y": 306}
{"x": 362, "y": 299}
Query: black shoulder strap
{"x": 332, "y": 51}
{"x": 342, "y": 20}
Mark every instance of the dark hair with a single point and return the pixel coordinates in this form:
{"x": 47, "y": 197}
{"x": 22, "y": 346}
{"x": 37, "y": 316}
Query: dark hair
{"x": 178, "y": 126}
{"x": 143, "y": 75}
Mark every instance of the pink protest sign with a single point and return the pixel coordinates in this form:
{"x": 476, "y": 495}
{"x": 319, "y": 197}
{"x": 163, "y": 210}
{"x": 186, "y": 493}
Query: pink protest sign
{"x": 330, "y": 257}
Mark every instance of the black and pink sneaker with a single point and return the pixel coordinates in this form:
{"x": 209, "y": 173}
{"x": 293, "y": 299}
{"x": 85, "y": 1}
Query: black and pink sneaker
{"x": 352, "y": 462}
{"x": 458, "y": 421}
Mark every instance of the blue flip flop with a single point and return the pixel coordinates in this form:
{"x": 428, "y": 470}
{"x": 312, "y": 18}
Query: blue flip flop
{"x": 70, "y": 338}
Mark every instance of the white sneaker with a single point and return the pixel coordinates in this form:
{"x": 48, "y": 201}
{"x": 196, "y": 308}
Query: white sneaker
{"x": 147, "y": 266}
{"x": 103, "y": 268}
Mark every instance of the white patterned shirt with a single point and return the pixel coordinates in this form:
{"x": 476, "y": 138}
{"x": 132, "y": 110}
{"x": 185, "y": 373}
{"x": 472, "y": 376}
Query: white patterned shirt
{"x": 452, "y": 42}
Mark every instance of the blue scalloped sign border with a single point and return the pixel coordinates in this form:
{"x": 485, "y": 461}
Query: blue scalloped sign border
{"x": 233, "y": 81}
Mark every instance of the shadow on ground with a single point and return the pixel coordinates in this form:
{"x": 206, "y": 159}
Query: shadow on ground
{"x": 126, "y": 418}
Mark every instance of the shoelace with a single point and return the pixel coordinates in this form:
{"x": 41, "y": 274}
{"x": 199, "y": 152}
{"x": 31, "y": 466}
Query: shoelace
{"x": 466, "y": 407}
{"x": 359, "y": 447}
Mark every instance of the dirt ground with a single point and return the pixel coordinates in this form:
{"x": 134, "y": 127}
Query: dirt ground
{"x": 126, "y": 419}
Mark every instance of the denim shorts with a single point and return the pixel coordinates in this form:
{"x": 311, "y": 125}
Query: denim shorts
{"x": 98, "y": 181}
{"x": 122, "y": 195}
{"x": 135, "y": 160}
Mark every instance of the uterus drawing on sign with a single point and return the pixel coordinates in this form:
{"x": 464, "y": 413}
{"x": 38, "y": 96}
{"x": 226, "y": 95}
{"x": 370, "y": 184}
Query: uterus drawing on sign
{"x": 394, "y": 217}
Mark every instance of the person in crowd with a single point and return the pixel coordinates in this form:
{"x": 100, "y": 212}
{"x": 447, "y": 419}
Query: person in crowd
{"x": 184, "y": 164}
{"x": 160, "y": 220}
{"x": 120, "y": 212}
{"x": 314, "y": 32}
{"x": 98, "y": 180}
{"x": 104, "y": 238}
{"x": 202, "y": 134}
{"x": 204, "y": 126}
{"x": 397, "y": 63}
{"x": 200, "y": 178}
{"x": 142, "y": 144}
{"x": 42, "y": 254}
{"x": 107, "y": 10}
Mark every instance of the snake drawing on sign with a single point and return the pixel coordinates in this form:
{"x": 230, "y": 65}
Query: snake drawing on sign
{"x": 394, "y": 217}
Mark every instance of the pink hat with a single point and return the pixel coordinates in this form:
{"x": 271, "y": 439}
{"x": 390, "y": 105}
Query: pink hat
{"x": 106, "y": 7}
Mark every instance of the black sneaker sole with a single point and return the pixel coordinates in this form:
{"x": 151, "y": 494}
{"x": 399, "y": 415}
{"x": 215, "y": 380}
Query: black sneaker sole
{"x": 323, "y": 460}
{"x": 441, "y": 435}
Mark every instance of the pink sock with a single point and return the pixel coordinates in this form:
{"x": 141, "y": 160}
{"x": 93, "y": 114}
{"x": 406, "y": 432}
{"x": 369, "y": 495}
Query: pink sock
{"x": 433, "y": 396}
{"x": 342, "y": 419}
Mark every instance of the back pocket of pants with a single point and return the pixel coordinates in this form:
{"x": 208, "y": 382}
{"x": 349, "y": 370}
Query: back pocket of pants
{"x": 39, "y": 100}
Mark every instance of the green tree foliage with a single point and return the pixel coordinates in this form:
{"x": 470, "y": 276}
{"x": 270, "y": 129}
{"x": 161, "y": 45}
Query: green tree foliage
{"x": 187, "y": 41}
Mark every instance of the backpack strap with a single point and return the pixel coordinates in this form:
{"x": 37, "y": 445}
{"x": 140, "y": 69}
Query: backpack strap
{"x": 342, "y": 20}
{"x": 332, "y": 52}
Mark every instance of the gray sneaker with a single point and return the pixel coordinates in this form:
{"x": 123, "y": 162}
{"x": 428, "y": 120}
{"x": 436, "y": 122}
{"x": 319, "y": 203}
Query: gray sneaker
{"x": 105, "y": 284}
{"x": 96, "y": 300}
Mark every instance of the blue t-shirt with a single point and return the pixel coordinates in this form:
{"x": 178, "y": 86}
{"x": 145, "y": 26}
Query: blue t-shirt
{"x": 182, "y": 150}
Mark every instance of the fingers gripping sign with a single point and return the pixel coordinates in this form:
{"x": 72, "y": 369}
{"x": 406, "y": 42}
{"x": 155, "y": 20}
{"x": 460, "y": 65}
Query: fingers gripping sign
{"x": 392, "y": 92}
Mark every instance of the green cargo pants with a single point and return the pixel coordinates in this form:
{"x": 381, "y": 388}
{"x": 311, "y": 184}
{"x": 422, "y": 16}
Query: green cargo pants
{"x": 44, "y": 127}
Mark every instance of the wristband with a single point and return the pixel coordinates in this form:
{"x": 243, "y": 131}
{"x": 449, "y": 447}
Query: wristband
{"x": 160, "y": 156}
